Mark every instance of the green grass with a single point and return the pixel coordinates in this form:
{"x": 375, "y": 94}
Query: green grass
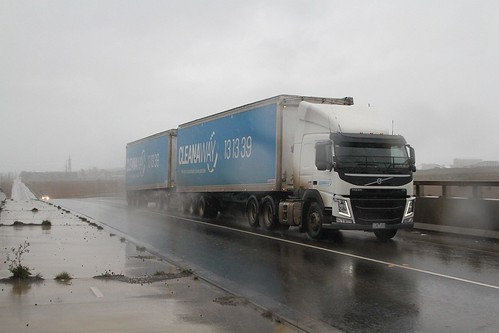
{"x": 64, "y": 276}
{"x": 20, "y": 272}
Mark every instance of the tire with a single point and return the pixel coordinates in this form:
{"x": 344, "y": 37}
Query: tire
{"x": 268, "y": 216}
{"x": 253, "y": 211}
{"x": 315, "y": 219}
{"x": 385, "y": 235}
{"x": 191, "y": 210}
{"x": 202, "y": 207}
{"x": 206, "y": 208}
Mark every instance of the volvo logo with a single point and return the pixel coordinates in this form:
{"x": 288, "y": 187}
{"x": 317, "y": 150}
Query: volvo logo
{"x": 379, "y": 181}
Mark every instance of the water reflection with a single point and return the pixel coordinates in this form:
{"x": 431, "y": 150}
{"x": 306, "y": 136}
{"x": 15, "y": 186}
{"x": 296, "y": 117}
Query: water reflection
{"x": 348, "y": 293}
{"x": 21, "y": 287}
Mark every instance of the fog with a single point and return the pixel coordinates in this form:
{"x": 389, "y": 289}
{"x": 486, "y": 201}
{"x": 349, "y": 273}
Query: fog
{"x": 83, "y": 78}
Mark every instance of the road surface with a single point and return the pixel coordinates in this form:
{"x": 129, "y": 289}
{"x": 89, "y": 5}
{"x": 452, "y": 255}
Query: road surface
{"x": 414, "y": 283}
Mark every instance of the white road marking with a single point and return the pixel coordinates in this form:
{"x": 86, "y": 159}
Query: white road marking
{"x": 96, "y": 292}
{"x": 340, "y": 253}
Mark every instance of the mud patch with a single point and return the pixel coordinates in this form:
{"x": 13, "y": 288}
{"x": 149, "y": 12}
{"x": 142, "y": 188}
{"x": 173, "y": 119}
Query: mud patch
{"x": 23, "y": 224}
{"x": 231, "y": 300}
{"x": 143, "y": 279}
{"x": 141, "y": 257}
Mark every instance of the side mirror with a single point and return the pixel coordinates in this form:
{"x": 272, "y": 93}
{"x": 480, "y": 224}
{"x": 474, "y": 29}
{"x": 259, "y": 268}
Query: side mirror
{"x": 412, "y": 158}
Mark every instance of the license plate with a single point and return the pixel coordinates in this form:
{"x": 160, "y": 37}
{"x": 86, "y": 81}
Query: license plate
{"x": 379, "y": 225}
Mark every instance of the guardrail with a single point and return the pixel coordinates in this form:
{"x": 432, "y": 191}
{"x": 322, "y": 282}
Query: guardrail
{"x": 463, "y": 207}
{"x": 446, "y": 186}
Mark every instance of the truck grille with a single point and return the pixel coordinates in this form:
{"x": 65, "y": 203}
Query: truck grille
{"x": 368, "y": 211}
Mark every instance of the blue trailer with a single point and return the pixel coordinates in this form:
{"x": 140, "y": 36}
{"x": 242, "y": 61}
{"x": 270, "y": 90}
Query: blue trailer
{"x": 235, "y": 151}
{"x": 150, "y": 168}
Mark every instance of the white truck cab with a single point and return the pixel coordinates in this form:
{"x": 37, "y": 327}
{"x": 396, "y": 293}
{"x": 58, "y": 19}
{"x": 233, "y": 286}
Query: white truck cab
{"x": 351, "y": 173}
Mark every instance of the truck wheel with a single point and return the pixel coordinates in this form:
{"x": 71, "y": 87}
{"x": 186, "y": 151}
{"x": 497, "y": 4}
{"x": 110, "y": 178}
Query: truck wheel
{"x": 268, "y": 213}
{"x": 385, "y": 235}
{"x": 315, "y": 219}
{"x": 253, "y": 211}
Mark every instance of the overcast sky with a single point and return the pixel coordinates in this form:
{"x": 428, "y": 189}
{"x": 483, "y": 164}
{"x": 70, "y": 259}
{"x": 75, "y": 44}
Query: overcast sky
{"x": 83, "y": 78}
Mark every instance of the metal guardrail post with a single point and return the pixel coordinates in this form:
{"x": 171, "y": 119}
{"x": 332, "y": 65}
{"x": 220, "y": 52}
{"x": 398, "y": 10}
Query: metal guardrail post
{"x": 444, "y": 190}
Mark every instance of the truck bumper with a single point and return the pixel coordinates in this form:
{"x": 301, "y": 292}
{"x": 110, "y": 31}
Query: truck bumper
{"x": 368, "y": 227}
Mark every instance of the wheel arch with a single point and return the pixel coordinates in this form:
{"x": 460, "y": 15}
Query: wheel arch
{"x": 310, "y": 196}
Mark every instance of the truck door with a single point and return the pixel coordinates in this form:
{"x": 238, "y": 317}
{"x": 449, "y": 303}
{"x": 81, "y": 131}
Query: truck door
{"x": 316, "y": 161}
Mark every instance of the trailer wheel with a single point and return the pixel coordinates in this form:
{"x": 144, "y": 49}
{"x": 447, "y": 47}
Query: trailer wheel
{"x": 192, "y": 207}
{"x": 268, "y": 213}
{"x": 253, "y": 211}
{"x": 315, "y": 219}
{"x": 385, "y": 235}
{"x": 201, "y": 207}
{"x": 206, "y": 208}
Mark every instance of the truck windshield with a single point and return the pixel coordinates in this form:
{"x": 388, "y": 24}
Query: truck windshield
{"x": 369, "y": 157}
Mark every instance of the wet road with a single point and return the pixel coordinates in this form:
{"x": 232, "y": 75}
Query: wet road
{"x": 415, "y": 283}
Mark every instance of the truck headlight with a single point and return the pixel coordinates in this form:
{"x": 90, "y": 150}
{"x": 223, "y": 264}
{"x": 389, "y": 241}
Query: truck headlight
{"x": 410, "y": 208}
{"x": 408, "y": 220}
{"x": 343, "y": 220}
{"x": 343, "y": 207}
